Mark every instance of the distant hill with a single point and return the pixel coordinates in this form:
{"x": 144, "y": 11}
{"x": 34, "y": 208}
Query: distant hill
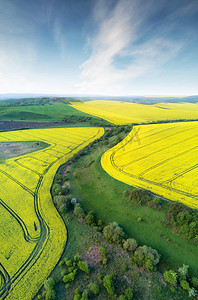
{"x": 84, "y": 97}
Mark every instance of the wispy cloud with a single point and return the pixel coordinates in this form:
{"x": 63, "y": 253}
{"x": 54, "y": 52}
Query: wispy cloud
{"x": 119, "y": 33}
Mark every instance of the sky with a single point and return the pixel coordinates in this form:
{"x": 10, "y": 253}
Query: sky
{"x": 103, "y": 47}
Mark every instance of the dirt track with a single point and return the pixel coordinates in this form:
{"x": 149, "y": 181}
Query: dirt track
{"x": 13, "y": 125}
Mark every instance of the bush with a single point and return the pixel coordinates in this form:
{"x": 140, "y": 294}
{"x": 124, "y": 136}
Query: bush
{"x": 146, "y": 256}
{"x": 104, "y": 262}
{"x": 108, "y": 284}
{"x": 85, "y": 295}
{"x": 139, "y": 196}
{"x": 183, "y": 272}
{"x": 61, "y": 263}
{"x": 61, "y": 199}
{"x": 192, "y": 293}
{"x": 68, "y": 263}
{"x": 90, "y": 218}
{"x": 122, "y": 297}
{"x": 170, "y": 277}
{"x": 78, "y": 211}
{"x": 50, "y": 294}
{"x": 77, "y": 291}
{"x": 128, "y": 293}
{"x": 99, "y": 276}
{"x": 185, "y": 285}
{"x": 77, "y": 297}
{"x": 113, "y": 232}
{"x": 194, "y": 282}
{"x": 63, "y": 209}
{"x": 70, "y": 277}
{"x": 103, "y": 251}
{"x": 77, "y": 258}
{"x": 49, "y": 283}
{"x": 67, "y": 286}
{"x": 94, "y": 288}
{"x": 130, "y": 244}
{"x": 83, "y": 266}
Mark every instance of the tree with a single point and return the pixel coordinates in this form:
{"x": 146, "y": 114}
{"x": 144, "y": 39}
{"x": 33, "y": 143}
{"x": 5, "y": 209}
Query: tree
{"x": 49, "y": 283}
{"x": 128, "y": 293}
{"x": 50, "y": 294}
{"x": 183, "y": 271}
{"x": 185, "y": 285}
{"x": 78, "y": 211}
{"x": 94, "y": 288}
{"x": 83, "y": 266}
{"x": 70, "y": 277}
{"x": 146, "y": 256}
{"x": 171, "y": 277}
{"x": 90, "y": 218}
{"x": 108, "y": 284}
{"x": 130, "y": 244}
{"x": 113, "y": 232}
{"x": 195, "y": 282}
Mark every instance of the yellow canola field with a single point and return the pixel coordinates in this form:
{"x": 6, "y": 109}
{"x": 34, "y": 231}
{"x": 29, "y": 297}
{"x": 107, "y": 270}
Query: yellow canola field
{"x": 121, "y": 113}
{"x": 162, "y": 158}
{"x": 32, "y": 234}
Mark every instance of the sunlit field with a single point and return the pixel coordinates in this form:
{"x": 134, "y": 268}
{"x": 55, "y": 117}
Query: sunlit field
{"x": 126, "y": 113}
{"x": 161, "y": 158}
{"x": 32, "y": 233}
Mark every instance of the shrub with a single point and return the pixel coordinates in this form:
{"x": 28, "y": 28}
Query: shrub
{"x": 50, "y": 294}
{"x": 85, "y": 295}
{"x": 61, "y": 199}
{"x": 77, "y": 291}
{"x": 77, "y": 297}
{"x": 103, "y": 251}
{"x": 171, "y": 277}
{"x": 83, "y": 266}
{"x": 90, "y": 218}
{"x": 108, "y": 284}
{"x": 122, "y": 297}
{"x": 130, "y": 244}
{"x": 139, "y": 196}
{"x": 94, "y": 288}
{"x": 67, "y": 286}
{"x": 113, "y": 232}
{"x": 49, "y": 283}
{"x": 63, "y": 272}
{"x": 192, "y": 293}
{"x": 78, "y": 211}
{"x": 194, "y": 282}
{"x": 104, "y": 262}
{"x": 63, "y": 209}
{"x": 77, "y": 258}
{"x": 146, "y": 256}
{"x": 99, "y": 276}
{"x": 70, "y": 277}
{"x": 185, "y": 285}
{"x": 61, "y": 263}
{"x": 128, "y": 293}
{"x": 68, "y": 263}
{"x": 183, "y": 272}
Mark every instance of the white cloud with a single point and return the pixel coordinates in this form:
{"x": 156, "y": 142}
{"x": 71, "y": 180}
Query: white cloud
{"x": 118, "y": 33}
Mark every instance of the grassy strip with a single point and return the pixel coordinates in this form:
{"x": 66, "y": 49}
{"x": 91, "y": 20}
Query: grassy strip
{"x": 105, "y": 195}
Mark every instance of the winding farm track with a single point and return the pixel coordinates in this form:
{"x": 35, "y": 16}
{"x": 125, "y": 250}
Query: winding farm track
{"x": 48, "y": 238}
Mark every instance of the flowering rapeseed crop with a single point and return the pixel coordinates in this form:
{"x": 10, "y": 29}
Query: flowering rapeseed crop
{"x": 126, "y": 113}
{"x": 32, "y": 234}
{"x": 161, "y": 158}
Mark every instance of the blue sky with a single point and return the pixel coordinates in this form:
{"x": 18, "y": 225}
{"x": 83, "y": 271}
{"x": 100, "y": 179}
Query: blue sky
{"x": 106, "y": 47}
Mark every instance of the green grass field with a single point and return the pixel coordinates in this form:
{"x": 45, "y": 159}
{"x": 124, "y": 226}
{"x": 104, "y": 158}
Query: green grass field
{"x": 41, "y": 113}
{"x": 105, "y": 195}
